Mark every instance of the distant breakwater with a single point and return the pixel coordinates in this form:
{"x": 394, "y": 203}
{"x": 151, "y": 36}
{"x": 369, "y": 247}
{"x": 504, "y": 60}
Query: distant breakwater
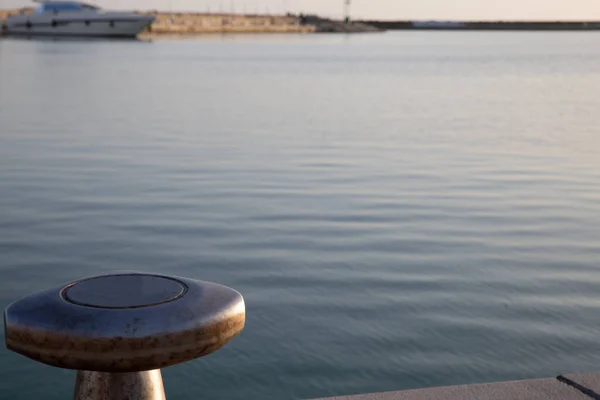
{"x": 487, "y": 25}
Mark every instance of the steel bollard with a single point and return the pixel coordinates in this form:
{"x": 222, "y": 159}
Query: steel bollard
{"x": 118, "y": 330}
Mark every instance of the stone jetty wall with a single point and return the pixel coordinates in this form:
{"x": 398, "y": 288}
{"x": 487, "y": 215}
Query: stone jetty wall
{"x": 198, "y": 23}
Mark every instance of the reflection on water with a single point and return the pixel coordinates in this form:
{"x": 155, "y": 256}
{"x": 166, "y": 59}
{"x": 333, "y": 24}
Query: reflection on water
{"x": 399, "y": 210}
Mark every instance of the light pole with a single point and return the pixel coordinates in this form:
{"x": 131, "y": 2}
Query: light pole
{"x": 347, "y": 11}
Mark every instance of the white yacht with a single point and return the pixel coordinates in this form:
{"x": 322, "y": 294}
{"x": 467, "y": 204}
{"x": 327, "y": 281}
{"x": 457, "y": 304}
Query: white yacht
{"x": 72, "y": 18}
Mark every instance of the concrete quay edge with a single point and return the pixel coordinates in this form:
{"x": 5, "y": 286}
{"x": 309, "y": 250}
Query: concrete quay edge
{"x": 564, "y": 387}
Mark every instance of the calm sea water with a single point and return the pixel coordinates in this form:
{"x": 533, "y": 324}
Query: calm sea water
{"x": 399, "y": 210}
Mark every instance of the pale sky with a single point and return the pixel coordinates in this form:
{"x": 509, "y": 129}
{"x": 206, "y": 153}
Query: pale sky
{"x": 382, "y": 9}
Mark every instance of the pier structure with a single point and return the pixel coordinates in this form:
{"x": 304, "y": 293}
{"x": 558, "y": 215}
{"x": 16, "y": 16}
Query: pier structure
{"x": 563, "y": 387}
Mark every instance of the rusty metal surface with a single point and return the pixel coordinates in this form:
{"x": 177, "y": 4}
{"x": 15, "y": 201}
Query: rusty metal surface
{"x": 145, "y": 385}
{"x": 49, "y": 329}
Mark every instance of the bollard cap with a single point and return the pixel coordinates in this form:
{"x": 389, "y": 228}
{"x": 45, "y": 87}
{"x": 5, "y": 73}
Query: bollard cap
{"x": 124, "y": 322}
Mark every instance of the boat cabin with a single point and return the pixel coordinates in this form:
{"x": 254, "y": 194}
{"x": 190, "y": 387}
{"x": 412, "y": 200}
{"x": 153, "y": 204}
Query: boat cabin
{"x": 56, "y": 7}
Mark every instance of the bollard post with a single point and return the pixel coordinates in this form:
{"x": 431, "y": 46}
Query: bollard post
{"x": 118, "y": 330}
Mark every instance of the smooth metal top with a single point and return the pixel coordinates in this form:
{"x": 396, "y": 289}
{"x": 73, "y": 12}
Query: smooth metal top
{"x": 124, "y": 322}
{"x": 124, "y": 291}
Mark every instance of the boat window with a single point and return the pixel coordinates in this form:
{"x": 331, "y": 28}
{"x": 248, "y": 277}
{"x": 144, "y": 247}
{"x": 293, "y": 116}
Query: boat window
{"x": 59, "y": 6}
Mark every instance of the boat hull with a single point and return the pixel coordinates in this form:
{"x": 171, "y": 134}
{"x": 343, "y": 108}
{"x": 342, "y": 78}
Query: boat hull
{"x": 78, "y": 24}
